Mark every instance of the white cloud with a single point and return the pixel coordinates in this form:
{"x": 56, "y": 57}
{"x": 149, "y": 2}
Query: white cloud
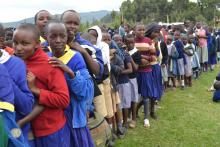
{"x": 14, "y": 10}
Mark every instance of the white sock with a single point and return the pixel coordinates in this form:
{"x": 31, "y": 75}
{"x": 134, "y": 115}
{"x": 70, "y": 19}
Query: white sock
{"x": 182, "y": 83}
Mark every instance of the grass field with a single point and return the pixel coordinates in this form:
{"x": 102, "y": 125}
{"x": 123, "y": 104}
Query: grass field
{"x": 187, "y": 118}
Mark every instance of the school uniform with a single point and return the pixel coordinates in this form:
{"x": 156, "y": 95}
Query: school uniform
{"x": 202, "y": 46}
{"x": 50, "y": 126}
{"x": 211, "y": 43}
{"x": 81, "y": 91}
{"x": 23, "y": 98}
{"x": 10, "y": 135}
{"x": 188, "y": 56}
{"x": 164, "y": 52}
{"x": 178, "y": 66}
{"x": 124, "y": 86}
{"x": 136, "y": 56}
{"x": 146, "y": 86}
{"x": 157, "y": 75}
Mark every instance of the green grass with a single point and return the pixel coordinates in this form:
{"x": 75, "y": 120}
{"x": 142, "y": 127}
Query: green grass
{"x": 187, "y": 118}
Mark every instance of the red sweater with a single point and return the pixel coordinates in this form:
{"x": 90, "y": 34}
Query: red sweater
{"x": 54, "y": 94}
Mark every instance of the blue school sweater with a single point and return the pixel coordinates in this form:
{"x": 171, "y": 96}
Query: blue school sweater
{"x": 98, "y": 52}
{"x": 6, "y": 91}
{"x": 24, "y": 99}
{"x": 81, "y": 89}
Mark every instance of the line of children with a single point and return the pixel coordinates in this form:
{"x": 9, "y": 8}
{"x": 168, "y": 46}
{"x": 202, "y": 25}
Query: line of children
{"x": 65, "y": 85}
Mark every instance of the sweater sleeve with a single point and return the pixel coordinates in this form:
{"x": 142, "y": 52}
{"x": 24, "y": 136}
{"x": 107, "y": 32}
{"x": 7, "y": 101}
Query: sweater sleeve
{"x": 164, "y": 53}
{"x": 58, "y": 95}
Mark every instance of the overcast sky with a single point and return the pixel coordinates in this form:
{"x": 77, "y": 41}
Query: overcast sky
{"x": 14, "y": 10}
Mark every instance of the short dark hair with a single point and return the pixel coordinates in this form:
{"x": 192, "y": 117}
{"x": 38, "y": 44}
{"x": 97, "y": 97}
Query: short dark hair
{"x": 36, "y": 15}
{"x": 73, "y": 11}
{"x": 129, "y": 36}
{"x": 53, "y": 21}
{"x": 30, "y": 27}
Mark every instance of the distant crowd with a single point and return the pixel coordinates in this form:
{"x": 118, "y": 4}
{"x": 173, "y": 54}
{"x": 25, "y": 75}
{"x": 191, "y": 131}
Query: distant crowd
{"x": 63, "y": 88}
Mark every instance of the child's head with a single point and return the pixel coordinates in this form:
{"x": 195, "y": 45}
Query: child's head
{"x": 127, "y": 28}
{"x": 177, "y": 35}
{"x": 26, "y": 40}
{"x": 118, "y": 39}
{"x": 89, "y": 37}
{"x": 129, "y": 42}
{"x": 41, "y": 18}
{"x": 139, "y": 30}
{"x": 2, "y": 36}
{"x": 106, "y": 37}
{"x": 9, "y": 34}
{"x": 191, "y": 38}
{"x": 56, "y": 36}
{"x": 169, "y": 39}
{"x": 71, "y": 19}
{"x": 153, "y": 31}
{"x": 184, "y": 39}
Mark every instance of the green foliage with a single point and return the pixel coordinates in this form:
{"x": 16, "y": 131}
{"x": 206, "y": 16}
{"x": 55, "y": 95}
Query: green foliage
{"x": 151, "y": 10}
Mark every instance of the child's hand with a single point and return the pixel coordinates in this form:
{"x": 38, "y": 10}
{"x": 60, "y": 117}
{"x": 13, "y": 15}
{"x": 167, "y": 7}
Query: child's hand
{"x": 21, "y": 123}
{"x": 76, "y": 46}
{"x": 55, "y": 62}
{"x": 31, "y": 78}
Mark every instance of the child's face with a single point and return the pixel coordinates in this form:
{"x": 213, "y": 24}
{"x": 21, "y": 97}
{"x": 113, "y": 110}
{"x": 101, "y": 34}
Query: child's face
{"x": 106, "y": 38}
{"x": 42, "y": 18}
{"x": 72, "y": 22}
{"x": 184, "y": 39}
{"x": 57, "y": 37}
{"x": 176, "y": 35}
{"x": 139, "y": 31}
{"x": 191, "y": 39}
{"x": 94, "y": 33}
{"x": 129, "y": 42}
{"x": 169, "y": 40}
{"x": 118, "y": 40}
{"x": 25, "y": 43}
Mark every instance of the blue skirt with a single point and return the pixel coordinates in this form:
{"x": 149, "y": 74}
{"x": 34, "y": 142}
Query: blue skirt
{"x": 79, "y": 137}
{"x": 146, "y": 85}
{"x": 61, "y": 138}
{"x": 157, "y": 78}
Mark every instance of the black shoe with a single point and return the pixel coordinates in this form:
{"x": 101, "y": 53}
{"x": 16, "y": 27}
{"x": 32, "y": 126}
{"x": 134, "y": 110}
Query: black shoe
{"x": 110, "y": 143}
{"x": 153, "y": 115}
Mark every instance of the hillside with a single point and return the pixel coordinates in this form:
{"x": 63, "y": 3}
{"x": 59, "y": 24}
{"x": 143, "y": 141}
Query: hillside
{"x": 85, "y": 17}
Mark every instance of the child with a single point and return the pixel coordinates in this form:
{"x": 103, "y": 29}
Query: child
{"x": 153, "y": 32}
{"x": 2, "y": 41}
{"x": 181, "y": 61}
{"x": 188, "y": 53}
{"x": 195, "y": 58}
{"x": 146, "y": 87}
{"x": 135, "y": 61}
{"x": 216, "y": 87}
{"x": 94, "y": 62}
{"x": 104, "y": 81}
{"x": 123, "y": 81}
{"x": 10, "y": 135}
{"x": 23, "y": 98}
{"x": 48, "y": 85}
{"x": 211, "y": 43}
{"x": 41, "y": 18}
{"x": 79, "y": 82}
{"x": 172, "y": 56}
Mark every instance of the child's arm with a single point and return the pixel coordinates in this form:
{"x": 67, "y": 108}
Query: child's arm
{"x": 128, "y": 70}
{"x": 34, "y": 113}
{"x": 92, "y": 64}
{"x": 134, "y": 65}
